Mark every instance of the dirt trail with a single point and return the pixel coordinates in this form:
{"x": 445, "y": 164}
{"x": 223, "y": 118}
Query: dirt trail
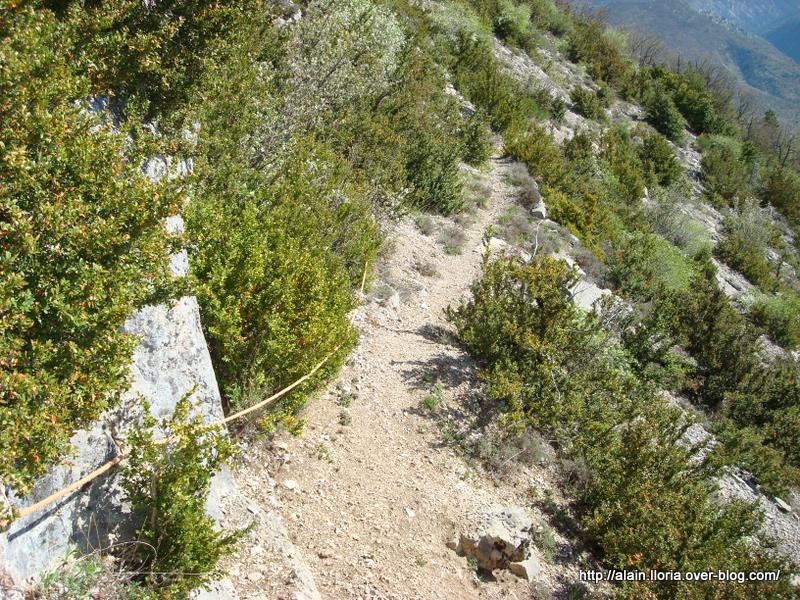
{"x": 369, "y": 493}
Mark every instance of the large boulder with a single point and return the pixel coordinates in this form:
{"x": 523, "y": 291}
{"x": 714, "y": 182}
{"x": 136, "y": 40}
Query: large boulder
{"x": 172, "y": 359}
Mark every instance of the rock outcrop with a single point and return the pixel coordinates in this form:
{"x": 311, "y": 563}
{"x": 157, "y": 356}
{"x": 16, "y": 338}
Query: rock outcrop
{"x": 501, "y": 539}
{"x": 171, "y": 360}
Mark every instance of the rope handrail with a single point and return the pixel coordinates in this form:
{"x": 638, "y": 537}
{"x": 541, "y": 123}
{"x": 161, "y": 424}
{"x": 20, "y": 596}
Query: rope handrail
{"x": 28, "y": 510}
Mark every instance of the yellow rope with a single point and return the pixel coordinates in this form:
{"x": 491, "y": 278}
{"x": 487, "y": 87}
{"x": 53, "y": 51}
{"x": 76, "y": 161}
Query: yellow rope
{"x": 364, "y": 276}
{"x": 28, "y": 510}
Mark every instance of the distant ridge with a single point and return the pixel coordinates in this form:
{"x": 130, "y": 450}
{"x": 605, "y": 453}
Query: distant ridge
{"x": 770, "y": 74}
{"x": 786, "y": 38}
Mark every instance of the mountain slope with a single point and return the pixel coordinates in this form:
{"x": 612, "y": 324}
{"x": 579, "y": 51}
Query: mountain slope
{"x": 760, "y": 67}
{"x": 786, "y": 38}
{"x": 755, "y": 17}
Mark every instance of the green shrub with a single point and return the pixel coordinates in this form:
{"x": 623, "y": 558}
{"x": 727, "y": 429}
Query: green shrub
{"x": 456, "y": 20}
{"x": 167, "y": 487}
{"x": 667, "y": 219}
{"x": 550, "y": 103}
{"x": 643, "y": 264}
{"x": 744, "y": 246}
{"x": 771, "y": 406}
{"x": 432, "y": 170}
{"x": 153, "y": 54}
{"x": 648, "y": 509}
{"x": 575, "y": 197}
{"x": 659, "y": 161}
{"x": 664, "y": 115}
{"x": 694, "y": 99}
{"x": 717, "y": 337}
{"x": 339, "y": 54}
{"x": 602, "y": 50}
{"x": 479, "y": 76}
{"x": 275, "y": 267}
{"x": 83, "y": 246}
{"x": 728, "y": 377}
{"x": 558, "y": 109}
{"x": 477, "y": 140}
{"x": 646, "y": 504}
{"x": 411, "y": 142}
{"x": 532, "y": 324}
{"x": 618, "y": 150}
{"x": 547, "y": 16}
{"x": 779, "y": 315}
{"x": 512, "y": 22}
{"x": 533, "y": 147}
{"x": 725, "y": 172}
{"x": 579, "y": 153}
{"x": 579, "y": 215}
{"x": 588, "y": 103}
{"x": 781, "y": 188}
{"x": 747, "y": 448}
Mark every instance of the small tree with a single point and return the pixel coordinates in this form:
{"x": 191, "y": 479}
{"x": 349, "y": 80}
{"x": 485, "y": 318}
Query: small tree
{"x": 659, "y": 160}
{"x": 167, "y": 486}
{"x": 664, "y": 115}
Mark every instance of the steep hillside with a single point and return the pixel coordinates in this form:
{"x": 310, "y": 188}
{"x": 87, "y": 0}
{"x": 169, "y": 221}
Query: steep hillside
{"x": 756, "y": 17}
{"x": 786, "y": 38}
{"x": 389, "y": 299}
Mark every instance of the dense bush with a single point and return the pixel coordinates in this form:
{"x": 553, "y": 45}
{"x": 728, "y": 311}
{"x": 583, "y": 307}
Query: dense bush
{"x": 540, "y": 325}
{"x": 588, "y": 103}
{"x": 746, "y": 447}
{"x": 409, "y": 145}
{"x": 725, "y": 171}
{"x": 167, "y": 486}
{"x": 478, "y": 75}
{"x": 602, "y": 50}
{"x": 664, "y": 115}
{"x": 275, "y": 266}
{"x": 549, "y": 102}
{"x": 339, "y": 54}
{"x": 643, "y": 265}
{"x": 619, "y": 152}
{"x": 83, "y": 245}
{"x": 781, "y": 188}
{"x": 779, "y": 315}
{"x": 775, "y": 410}
{"x": 433, "y": 172}
{"x": 645, "y": 505}
{"x": 535, "y": 149}
{"x": 694, "y": 99}
{"x": 512, "y": 22}
{"x": 155, "y": 53}
{"x": 748, "y": 232}
{"x": 717, "y": 336}
{"x": 659, "y": 161}
{"x": 477, "y": 140}
{"x": 665, "y": 217}
{"x": 728, "y": 377}
{"x": 566, "y": 175}
{"x": 547, "y": 16}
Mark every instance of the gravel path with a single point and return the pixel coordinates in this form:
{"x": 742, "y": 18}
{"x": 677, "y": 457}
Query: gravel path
{"x": 369, "y": 493}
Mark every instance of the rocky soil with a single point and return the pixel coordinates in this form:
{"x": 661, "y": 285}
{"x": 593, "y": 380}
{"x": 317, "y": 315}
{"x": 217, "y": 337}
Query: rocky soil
{"x": 375, "y": 490}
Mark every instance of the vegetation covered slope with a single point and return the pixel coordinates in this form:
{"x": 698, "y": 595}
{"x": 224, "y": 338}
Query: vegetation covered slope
{"x": 306, "y": 138}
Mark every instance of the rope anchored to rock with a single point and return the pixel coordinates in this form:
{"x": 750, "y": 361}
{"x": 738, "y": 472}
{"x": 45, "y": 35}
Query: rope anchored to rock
{"x": 29, "y": 510}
